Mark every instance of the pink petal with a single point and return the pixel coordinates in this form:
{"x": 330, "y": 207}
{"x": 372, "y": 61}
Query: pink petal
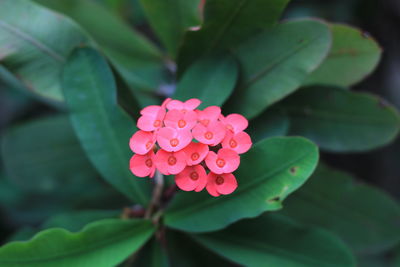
{"x": 198, "y": 133}
{"x": 172, "y": 118}
{"x": 180, "y": 163}
{"x": 142, "y": 165}
{"x": 228, "y": 186}
{"x": 146, "y": 123}
{"x": 236, "y": 122}
{"x": 184, "y": 138}
{"x": 231, "y": 158}
{"x": 195, "y": 153}
{"x": 161, "y": 161}
{"x": 183, "y": 180}
{"x": 211, "y": 162}
{"x": 191, "y": 104}
{"x": 219, "y": 132}
{"x": 174, "y": 104}
{"x": 211, "y": 188}
{"x": 164, "y": 137}
{"x": 202, "y": 181}
{"x": 150, "y": 111}
{"x": 244, "y": 142}
{"x": 165, "y": 102}
{"x": 142, "y": 142}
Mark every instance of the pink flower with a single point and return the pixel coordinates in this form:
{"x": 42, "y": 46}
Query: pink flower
{"x": 152, "y": 118}
{"x": 171, "y": 139}
{"x": 179, "y": 120}
{"x": 195, "y": 153}
{"x": 190, "y": 104}
{"x": 171, "y": 135}
{"x": 208, "y": 115}
{"x": 192, "y": 178}
{"x": 221, "y": 184}
{"x": 240, "y": 142}
{"x": 143, "y": 165}
{"x": 170, "y": 162}
{"x": 142, "y": 142}
{"x": 212, "y": 134}
{"x": 226, "y": 161}
{"x": 235, "y": 122}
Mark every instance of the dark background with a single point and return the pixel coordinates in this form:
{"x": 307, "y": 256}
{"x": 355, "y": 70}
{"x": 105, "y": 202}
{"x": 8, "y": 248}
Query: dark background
{"x": 379, "y": 18}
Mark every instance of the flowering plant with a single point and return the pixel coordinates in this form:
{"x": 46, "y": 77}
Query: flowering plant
{"x": 225, "y": 99}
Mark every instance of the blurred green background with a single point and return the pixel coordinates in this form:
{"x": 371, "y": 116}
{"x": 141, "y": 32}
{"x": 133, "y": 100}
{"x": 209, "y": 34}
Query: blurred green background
{"x": 20, "y": 206}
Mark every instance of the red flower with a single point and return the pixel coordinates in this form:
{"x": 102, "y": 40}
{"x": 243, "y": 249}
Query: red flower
{"x": 225, "y": 161}
{"x": 212, "y": 134}
{"x": 143, "y": 165}
{"x": 142, "y": 142}
{"x": 170, "y": 162}
{"x": 240, "y": 142}
{"x": 171, "y": 139}
{"x": 195, "y": 153}
{"x": 192, "y": 178}
{"x": 221, "y": 184}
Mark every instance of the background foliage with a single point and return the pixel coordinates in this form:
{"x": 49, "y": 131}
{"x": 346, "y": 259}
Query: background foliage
{"x": 74, "y": 75}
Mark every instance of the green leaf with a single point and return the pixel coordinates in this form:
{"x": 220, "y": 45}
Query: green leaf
{"x": 101, "y": 125}
{"x": 104, "y": 243}
{"x": 34, "y": 45}
{"x": 54, "y": 160}
{"x": 277, "y": 241}
{"x": 353, "y": 56}
{"x": 227, "y": 23}
{"x": 268, "y": 173}
{"x": 152, "y": 255}
{"x": 269, "y": 124}
{"x": 184, "y": 252}
{"x": 72, "y": 221}
{"x": 341, "y": 121}
{"x": 211, "y": 80}
{"x": 276, "y": 62}
{"x": 363, "y": 216}
{"x": 171, "y": 19}
{"x": 75, "y": 220}
{"x": 137, "y": 59}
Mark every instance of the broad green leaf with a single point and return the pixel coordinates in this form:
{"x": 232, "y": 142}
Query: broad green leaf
{"x": 102, "y": 127}
{"x": 152, "y": 255}
{"x": 34, "y": 45}
{"x": 267, "y": 174}
{"x": 269, "y": 124}
{"x": 275, "y": 63}
{"x": 171, "y": 19}
{"x": 137, "y": 59}
{"x": 104, "y": 243}
{"x": 211, "y": 80}
{"x": 227, "y": 23}
{"x": 353, "y": 56}
{"x": 44, "y": 155}
{"x": 277, "y": 241}
{"x": 72, "y": 221}
{"x": 341, "y": 121}
{"x": 363, "y": 216}
{"x": 184, "y": 251}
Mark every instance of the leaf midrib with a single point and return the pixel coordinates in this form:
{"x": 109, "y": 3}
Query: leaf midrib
{"x": 35, "y": 42}
{"x": 111, "y": 133}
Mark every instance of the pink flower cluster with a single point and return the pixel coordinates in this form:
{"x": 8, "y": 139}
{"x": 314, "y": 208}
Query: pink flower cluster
{"x": 175, "y": 126}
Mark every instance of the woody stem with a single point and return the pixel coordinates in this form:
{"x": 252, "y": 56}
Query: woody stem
{"x": 157, "y": 192}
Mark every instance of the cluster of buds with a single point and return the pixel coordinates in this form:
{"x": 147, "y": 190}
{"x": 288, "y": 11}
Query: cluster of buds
{"x": 200, "y": 147}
